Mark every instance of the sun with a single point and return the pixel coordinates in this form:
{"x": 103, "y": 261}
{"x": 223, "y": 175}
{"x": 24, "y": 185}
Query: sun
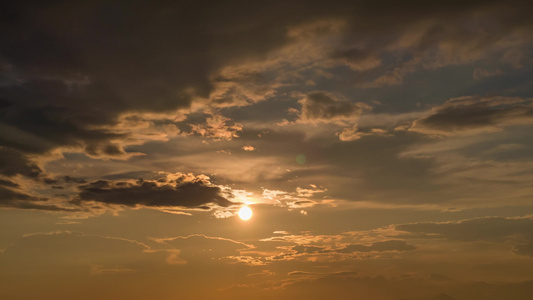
{"x": 245, "y": 213}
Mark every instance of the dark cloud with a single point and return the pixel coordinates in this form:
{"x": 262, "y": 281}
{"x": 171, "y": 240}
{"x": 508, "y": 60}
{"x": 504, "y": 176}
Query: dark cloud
{"x": 97, "y": 60}
{"x": 8, "y": 195}
{"x": 13, "y": 162}
{"x": 39, "y": 129}
{"x": 71, "y": 72}
{"x": 14, "y": 199}
{"x": 184, "y": 194}
{"x": 69, "y": 179}
{"x": 8, "y": 183}
{"x": 325, "y": 107}
{"x": 357, "y": 59}
{"x": 475, "y": 114}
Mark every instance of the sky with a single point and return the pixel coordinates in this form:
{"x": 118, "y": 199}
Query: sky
{"x": 385, "y": 149}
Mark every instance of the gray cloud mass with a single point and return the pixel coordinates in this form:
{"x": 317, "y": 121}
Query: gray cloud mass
{"x": 193, "y": 194}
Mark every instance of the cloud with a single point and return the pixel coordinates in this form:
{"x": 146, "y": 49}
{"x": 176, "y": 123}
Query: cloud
{"x": 218, "y": 128}
{"x": 98, "y": 83}
{"x": 248, "y": 260}
{"x": 200, "y": 239}
{"x": 88, "y": 96}
{"x": 179, "y": 190}
{"x": 346, "y": 246}
{"x": 352, "y": 133}
{"x": 101, "y": 88}
{"x": 471, "y": 114}
{"x": 483, "y": 73}
{"x": 357, "y": 59}
{"x": 38, "y": 129}
{"x": 13, "y": 162}
{"x": 198, "y": 248}
{"x": 324, "y": 107}
{"x": 390, "y": 245}
{"x": 480, "y": 229}
{"x": 302, "y": 197}
{"x": 8, "y": 183}
{"x": 443, "y": 37}
{"x": 384, "y": 246}
{"x": 13, "y": 197}
{"x": 234, "y": 88}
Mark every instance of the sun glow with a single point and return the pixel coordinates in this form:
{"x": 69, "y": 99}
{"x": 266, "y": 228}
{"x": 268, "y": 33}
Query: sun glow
{"x": 245, "y": 213}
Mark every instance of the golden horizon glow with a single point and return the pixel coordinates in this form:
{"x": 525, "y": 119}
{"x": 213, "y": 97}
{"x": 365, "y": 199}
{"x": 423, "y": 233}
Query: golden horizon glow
{"x": 245, "y": 213}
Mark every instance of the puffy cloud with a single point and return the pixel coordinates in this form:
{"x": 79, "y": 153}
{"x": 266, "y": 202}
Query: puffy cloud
{"x": 302, "y": 197}
{"x": 218, "y": 128}
{"x": 352, "y": 133}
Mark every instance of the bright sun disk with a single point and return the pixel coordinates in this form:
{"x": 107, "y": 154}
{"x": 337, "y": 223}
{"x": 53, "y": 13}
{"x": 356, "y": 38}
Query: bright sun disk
{"x": 245, "y": 213}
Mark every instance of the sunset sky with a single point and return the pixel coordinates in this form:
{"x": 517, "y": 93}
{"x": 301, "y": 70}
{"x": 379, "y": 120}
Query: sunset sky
{"x": 384, "y": 149}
